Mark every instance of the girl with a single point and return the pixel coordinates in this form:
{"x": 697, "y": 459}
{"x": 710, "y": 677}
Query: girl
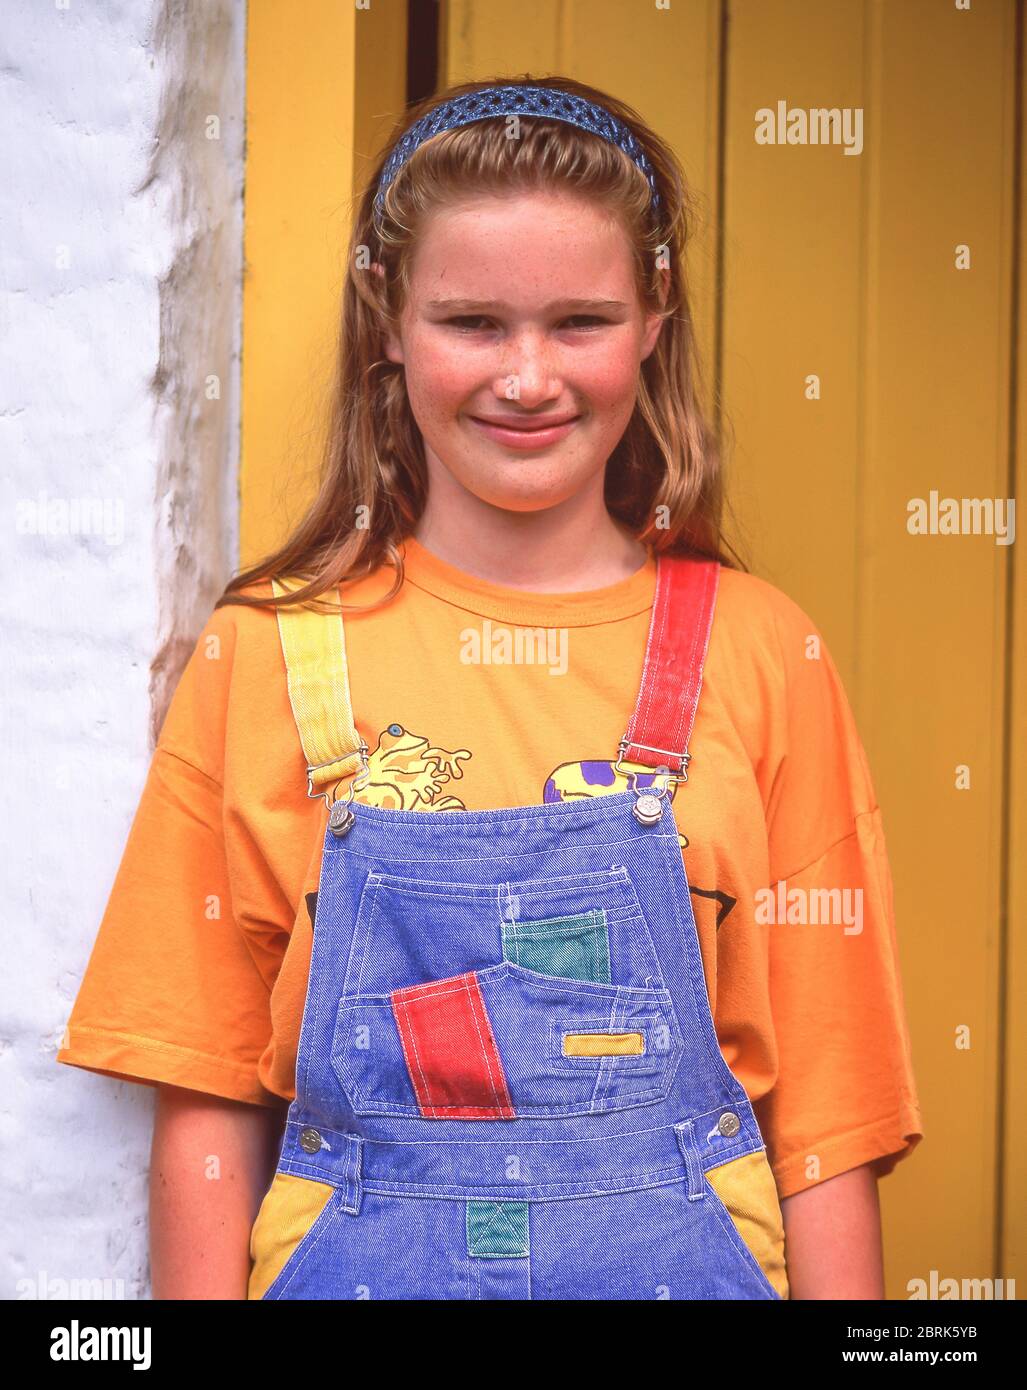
{"x": 560, "y": 1041}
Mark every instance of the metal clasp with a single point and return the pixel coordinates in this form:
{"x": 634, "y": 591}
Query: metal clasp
{"x": 358, "y": 781}
{"x": 675, "y": 777}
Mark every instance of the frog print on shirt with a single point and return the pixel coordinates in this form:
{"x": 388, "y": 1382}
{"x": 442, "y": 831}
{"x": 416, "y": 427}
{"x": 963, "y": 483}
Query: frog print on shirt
{"x": 408, "y": 774}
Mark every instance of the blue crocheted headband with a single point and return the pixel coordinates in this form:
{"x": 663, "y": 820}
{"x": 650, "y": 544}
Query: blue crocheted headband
{"x": 517, "y": 100}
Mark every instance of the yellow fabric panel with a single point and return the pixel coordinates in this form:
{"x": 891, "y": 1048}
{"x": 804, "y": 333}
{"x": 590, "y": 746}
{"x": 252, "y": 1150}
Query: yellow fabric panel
{"x": 603, "y": 1045}
{"x": 290, "y": 1207}
{"x": 747, "y": 1189}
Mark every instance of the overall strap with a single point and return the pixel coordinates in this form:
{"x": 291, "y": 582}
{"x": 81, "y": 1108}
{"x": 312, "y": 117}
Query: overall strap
{"x": 679, "y": 634}
{"x": 314, "y": 646}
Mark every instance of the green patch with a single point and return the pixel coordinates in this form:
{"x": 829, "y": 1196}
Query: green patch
{"x": 574, "y": 948}
{"x": 497, "y": 1229}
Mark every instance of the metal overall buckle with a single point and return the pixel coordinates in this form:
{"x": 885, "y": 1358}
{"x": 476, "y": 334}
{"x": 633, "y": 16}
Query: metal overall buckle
{"x": 340, "y": 816}
{"x": 648, "y": 807}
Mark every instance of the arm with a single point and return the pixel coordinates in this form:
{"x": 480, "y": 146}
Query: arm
{"x": 210, "y": 1165}
{"x": 833, "y": 1238}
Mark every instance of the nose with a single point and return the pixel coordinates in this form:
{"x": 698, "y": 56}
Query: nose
{"x": 530, "y": 374}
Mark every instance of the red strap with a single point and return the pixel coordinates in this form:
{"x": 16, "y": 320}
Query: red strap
{"x": 679, "y": 634}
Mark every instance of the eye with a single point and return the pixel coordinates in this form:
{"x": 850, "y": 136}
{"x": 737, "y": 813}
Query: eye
{"x": 469, "y": 323}
{"x": 586, "y": 321}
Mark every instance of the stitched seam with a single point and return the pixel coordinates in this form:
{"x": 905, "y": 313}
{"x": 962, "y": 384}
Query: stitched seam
{"x": 486, "y": 1041}
{"x": 163, "y": 748}
{"x": 801, "y": 1154}
{"x": 793, "y": 873}
{"x": 155, "y": 1045}
{"x": 601, "y": 880}
{"x": 450, "y": 600}
{"x": 739, "y": 1245}
{"x": 695, "y": 976}
{"x": 619, "y": 1183}
{"x": 330, "y": 1211}
{"x": 620, "y": 1102}
{"x": 544, "y": 1143}
{"x": 409, "y": 1045}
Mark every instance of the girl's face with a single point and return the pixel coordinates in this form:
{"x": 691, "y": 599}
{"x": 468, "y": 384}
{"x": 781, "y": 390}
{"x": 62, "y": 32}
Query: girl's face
{"x": 521, "y": 341}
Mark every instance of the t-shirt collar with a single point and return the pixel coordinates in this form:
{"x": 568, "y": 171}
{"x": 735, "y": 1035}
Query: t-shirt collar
{"x": 525, "y": 608}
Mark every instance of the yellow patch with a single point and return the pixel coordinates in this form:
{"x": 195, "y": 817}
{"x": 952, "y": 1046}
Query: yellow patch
{"x": 748, "y": 1193}
{"x": 290, "y": 1207}
{"x": 603, "y": 1045}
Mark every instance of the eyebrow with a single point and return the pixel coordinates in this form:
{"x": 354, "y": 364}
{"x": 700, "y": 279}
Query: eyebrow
{"x": 464, "y": 306}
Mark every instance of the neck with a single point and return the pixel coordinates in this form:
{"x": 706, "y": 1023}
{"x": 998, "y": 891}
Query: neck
{"x": 574, "y": 546}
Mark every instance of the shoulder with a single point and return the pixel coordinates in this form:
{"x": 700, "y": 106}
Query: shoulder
{"x": 772, "y": 668}
{"x": 233, "y": 631}
{"x": 229, "y": 614}
{"x": 234, "y": 659}
{"x": 755, "y": 620}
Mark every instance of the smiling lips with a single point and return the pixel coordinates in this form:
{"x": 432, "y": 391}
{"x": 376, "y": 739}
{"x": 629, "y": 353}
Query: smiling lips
{"x": 522, "y": 432}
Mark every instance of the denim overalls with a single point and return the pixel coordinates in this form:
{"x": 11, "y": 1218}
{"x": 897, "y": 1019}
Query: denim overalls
{"x": 508, "y": 1082}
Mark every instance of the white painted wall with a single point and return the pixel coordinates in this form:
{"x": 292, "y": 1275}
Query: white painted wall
{"x": 121, "y": 182}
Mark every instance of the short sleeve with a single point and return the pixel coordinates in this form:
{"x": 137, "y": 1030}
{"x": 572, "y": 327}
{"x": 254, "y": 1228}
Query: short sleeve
{"x": 845, "y": 1092}
{"x": 171, "y": 992}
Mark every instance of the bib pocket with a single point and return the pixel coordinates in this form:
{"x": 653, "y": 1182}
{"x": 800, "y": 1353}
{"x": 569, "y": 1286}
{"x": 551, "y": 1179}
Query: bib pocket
{"x": 590, "y": 925}
{"x": 505, "y": 1042}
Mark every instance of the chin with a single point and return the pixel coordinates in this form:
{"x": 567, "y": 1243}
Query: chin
{"x": 519, "y": 506}
{"x": 531, "y": 501}
{"x": 514, "y": 489}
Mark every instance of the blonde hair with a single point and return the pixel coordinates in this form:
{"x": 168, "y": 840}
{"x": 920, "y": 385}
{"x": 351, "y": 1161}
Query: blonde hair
{"x": 667, "y": 465}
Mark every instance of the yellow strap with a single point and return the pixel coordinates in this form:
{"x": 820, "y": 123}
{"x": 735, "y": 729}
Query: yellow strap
{"x": 314, "y": 646}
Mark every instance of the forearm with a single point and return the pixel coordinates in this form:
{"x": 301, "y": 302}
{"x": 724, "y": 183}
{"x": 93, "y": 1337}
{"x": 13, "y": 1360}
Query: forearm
{"x": 833, "y": 1238}
{"x": 210, "y": 1165}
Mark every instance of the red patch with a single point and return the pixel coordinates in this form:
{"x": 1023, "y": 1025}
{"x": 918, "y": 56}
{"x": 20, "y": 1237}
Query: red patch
{"x": 450, "y": 1052}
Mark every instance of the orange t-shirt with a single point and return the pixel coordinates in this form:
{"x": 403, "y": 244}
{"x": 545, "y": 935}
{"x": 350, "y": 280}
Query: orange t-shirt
{"x": 198, "y": 974}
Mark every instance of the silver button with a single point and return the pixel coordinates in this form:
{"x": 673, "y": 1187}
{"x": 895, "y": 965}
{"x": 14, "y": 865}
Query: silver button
{"x": 647, "y": 808}
{"x": 310, "y": 1140}
{"x": 340, "y": 819}
{"x": 728, "y": 1124}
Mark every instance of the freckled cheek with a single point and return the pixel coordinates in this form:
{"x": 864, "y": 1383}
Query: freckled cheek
{"x": 444, "y": 380}
{"x": 611, "y": 384}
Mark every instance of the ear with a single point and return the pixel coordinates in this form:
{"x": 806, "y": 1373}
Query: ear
{"x": 391, "y": 341}
{"x": 654, "y": 321}
{"x": 653, "y": 324}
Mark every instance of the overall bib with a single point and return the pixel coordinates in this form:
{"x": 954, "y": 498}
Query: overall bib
{"x": 508, "y": 1082}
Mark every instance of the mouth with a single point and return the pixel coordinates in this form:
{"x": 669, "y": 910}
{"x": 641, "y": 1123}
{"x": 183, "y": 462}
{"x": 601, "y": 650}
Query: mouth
{"x": 529, "y": 434}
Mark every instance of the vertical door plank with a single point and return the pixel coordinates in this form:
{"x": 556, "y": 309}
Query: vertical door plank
{"x": 323, "y": 83}
{"x": 932, "y": 616}
{"x": 1013, "y": 1230}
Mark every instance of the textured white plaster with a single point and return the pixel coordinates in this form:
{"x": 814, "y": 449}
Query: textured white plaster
{"x": 120, "y": 304}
